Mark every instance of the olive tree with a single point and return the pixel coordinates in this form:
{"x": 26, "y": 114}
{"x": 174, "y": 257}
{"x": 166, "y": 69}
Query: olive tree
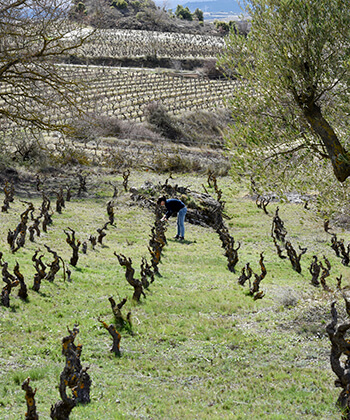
{"x": 292, "y": 99}
{"x": 34, "y": 36}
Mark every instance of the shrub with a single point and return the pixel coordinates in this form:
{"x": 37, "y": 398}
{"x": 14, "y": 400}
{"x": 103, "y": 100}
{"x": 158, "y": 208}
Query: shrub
{"x": 80, "y": 8}
{"x": 211, "y": 70}
{"x": 23, "y": 146}
{"x": 220, "y": 168}
{"x": 198, "y": 14}
{"x": 93, "y": 126}
{"x": 119, "y": 4}
{"x": 108, "y": 126}
{"x": 134, "y": 130}
{"x": 172, "y": 163}
{"x": 183, "y": 13}
{"x": 27, "y": 150}
{"x": 69, "y": 154}
{"x": 288, "y": 298}
{"x": 136, "y": 5}
{"x": 157, "y": 116}
{"x": 116, "y": 157}
{"x": 223, "y": 27}
{"x": 205, "y": 128}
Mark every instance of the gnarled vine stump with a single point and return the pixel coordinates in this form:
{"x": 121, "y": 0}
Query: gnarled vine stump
{"x": 262, "y": 203}
{"x": 40, "y": 268}
{"x": 245, "y": 274}
{"x": 110, "y": 212}
{"x": 9, "y": 192}
{"x": 278, "y": 248}
{"x": 340, "y": 348}
{"x": 23, "y": 291}
{"x": 16, "y": 239}
{"x": 10, "y": 281}
{"x": 315, "y": 269}
{"x": 74, "y": 377}
{"x": 157, "y": 239}
{"x": 228, "y": 243}
{"x": 31, "y": 413}
{"x": 145, "y": 272}
{"x": 278, "y": 230}
{"x": 93, "y": 241}
{"x": 54, "y": 265}
{"x": 60, "y": 200}
{"x": 115, "y": 335}
{"x": 34, "y": 228}
{"x": 335, "y": 245}
{"x": 340, "y": 250}
{"x": 82, "y": 184}
{"x": 129, "y": 274}
{"x": 126, "y": 175}
{"x": 116, "y": 308}
{"x": 325, "y": 273}
{"x": 294, "y": 257}
{"x": 101, "y": 233}
{"x": 339, "y": 280}
{"x": 254, "y": 290}
{"x": 45, "y": 212}
{"x": 212, "y": 182}
{"x": 74, "y": 244}
{"x": 326, "y": 226}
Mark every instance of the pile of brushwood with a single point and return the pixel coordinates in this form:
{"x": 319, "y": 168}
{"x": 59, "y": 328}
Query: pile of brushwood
{"x": 202, "y": 208}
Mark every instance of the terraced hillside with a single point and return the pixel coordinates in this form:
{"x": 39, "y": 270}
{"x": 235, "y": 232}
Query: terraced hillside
{"x": 118, "y": 43}
{"x": 124, "y": 92}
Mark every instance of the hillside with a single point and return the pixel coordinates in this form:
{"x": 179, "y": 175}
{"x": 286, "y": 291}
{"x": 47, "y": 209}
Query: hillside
{"x": 139, "y": 15}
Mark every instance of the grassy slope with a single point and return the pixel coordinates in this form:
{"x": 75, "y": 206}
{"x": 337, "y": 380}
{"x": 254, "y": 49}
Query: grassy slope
{"x": 202, "y": 347}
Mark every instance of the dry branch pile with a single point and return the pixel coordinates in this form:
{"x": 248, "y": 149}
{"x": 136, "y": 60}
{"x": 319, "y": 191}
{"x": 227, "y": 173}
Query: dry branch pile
{"x": 202, "y": 208}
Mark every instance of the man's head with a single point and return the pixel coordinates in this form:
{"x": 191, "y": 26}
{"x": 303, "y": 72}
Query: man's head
{"x": 161, "y": 201}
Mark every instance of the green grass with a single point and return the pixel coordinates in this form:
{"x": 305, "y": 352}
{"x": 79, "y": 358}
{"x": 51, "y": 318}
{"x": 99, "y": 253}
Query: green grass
{"x": 201, "y": 348}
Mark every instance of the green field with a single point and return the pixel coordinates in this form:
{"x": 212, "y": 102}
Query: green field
{"x": 200, "y": 346}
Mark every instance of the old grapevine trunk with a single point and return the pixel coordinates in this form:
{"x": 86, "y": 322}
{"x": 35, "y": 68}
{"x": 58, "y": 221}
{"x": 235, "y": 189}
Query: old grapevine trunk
{"x": 336, "y": 152}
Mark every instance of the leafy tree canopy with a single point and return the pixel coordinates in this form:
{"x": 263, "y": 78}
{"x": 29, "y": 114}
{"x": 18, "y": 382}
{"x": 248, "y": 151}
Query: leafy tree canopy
{"x": 291, "y": 109}
{"x": 183, "y": 13}
{"x": 198, "y": 14}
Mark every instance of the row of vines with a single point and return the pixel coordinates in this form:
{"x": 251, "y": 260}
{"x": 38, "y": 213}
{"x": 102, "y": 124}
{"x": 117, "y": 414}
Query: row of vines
{"x": 116, "y": 43}
{"x": 124, "y": 93}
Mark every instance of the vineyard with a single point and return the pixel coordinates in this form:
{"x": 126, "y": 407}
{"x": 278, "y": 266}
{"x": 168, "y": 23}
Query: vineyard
{"x": 125, "y": 92}
{"x": 89, "y": 83}
{"x": 234, "y": 322}
{"x": 198, "y": 345}
{"x": 131, "y": 43}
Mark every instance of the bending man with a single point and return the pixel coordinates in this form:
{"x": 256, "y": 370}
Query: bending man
{"x": 173, "y": 205}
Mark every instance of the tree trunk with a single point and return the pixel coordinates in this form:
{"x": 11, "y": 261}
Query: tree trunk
{"x": 336, "y": 152}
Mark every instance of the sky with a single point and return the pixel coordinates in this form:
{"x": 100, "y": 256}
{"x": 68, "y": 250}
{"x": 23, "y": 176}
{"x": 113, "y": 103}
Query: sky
{"x": 171, "y": 4}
